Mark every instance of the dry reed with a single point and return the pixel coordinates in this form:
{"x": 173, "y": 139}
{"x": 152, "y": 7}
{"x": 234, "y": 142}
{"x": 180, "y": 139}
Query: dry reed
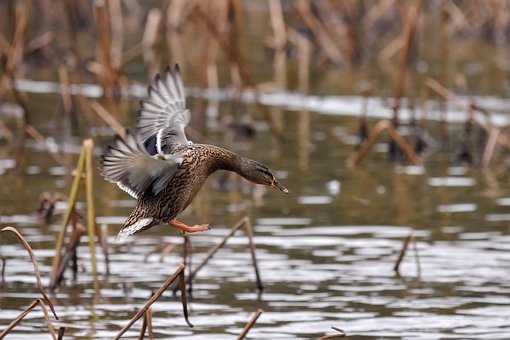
{"x": 35, "y": 265}
{"x": 246, "y": 223}
{"x": 178, "y": 274}
{"x": 250, "y": 324}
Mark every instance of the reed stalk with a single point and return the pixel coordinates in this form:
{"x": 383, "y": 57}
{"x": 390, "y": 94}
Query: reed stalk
{"x": 250, "y": 324}
{"x": 88, "y": 146}
{"x": 244, "y": 222}
{"x": 178, "y": 274}
{"x": 73, "y": 195}
{"x": 19, "y": 318}
{"x": 37, "y": 273}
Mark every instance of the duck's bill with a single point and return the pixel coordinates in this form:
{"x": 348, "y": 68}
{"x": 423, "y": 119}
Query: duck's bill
{"x": 280, "y": 187}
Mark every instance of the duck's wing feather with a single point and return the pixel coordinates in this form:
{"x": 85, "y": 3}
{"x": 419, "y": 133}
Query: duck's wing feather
{"x": 163, "y": 114}
{"x": 133, "y": 170}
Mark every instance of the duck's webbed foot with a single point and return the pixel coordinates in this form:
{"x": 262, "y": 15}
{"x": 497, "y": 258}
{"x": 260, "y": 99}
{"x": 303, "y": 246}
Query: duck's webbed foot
{"x": 188, "y": 229}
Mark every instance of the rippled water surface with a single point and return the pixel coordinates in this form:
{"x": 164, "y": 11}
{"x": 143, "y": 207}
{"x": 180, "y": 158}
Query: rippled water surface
{"x": 326, "y": 251}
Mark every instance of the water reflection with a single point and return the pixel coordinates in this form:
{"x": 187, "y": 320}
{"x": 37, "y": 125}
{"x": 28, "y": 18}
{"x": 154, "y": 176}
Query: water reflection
{"x": 325, "y": 261}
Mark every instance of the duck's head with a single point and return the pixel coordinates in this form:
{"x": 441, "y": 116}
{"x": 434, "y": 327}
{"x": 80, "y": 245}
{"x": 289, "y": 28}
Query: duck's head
{"x": 259, "y": 173}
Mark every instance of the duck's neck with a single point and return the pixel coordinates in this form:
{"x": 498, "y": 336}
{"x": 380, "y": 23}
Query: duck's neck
{"x": 227, "y": 160}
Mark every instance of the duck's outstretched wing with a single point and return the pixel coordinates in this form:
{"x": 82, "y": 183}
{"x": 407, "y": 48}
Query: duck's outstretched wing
{"x": 163, "y": 114}
{"x": 133, "y": 170}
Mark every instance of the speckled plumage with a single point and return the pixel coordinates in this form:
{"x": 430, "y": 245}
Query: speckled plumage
{"x": 199, "y": 161}
{"x": 165, "y": 183}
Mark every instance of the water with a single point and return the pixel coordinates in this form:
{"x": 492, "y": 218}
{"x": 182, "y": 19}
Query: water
{"x": 325, "y": 252}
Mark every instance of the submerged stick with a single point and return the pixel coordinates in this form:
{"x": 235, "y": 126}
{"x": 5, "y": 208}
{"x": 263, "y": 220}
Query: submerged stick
{"x": 179, "y": 273}
{"x": 250, "y": 324}
{"x": 18, "y": 319}
{"x": 35, "y": 265}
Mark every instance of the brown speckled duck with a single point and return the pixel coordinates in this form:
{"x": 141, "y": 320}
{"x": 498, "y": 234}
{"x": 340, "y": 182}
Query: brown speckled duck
{"x": 165, "y": 183}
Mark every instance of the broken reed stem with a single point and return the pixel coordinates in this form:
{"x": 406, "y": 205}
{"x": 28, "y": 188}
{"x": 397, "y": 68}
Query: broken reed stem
{"x": 367, "y": 145}
{"x": 402, "y": 253}
{"x": 67, "y": 217}
{"x": 18, "y": 319}
{"x": 245, "y": 221}
{"x": 179, "y": 273}
{"x": 35, "y": 265}
{"x": 88, "y": 146}
{"x": 446, "y": 94}
{"x": 250, "y": 324}
{"x": 108, "y": 119}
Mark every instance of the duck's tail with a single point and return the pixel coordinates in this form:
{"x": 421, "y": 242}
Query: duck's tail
{"x": 133, "y": 226}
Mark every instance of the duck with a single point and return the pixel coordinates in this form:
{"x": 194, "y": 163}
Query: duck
{"x": 164, "y": 181}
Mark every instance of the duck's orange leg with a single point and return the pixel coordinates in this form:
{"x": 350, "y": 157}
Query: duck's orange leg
{"x": 188, "y": 229}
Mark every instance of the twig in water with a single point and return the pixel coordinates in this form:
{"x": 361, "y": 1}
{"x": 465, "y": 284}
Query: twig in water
{"x": 178, "y": 274}
{"x": 35, "y": 265}
{"x": 250, "y": 324}
{"x": 402, "y": 253}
